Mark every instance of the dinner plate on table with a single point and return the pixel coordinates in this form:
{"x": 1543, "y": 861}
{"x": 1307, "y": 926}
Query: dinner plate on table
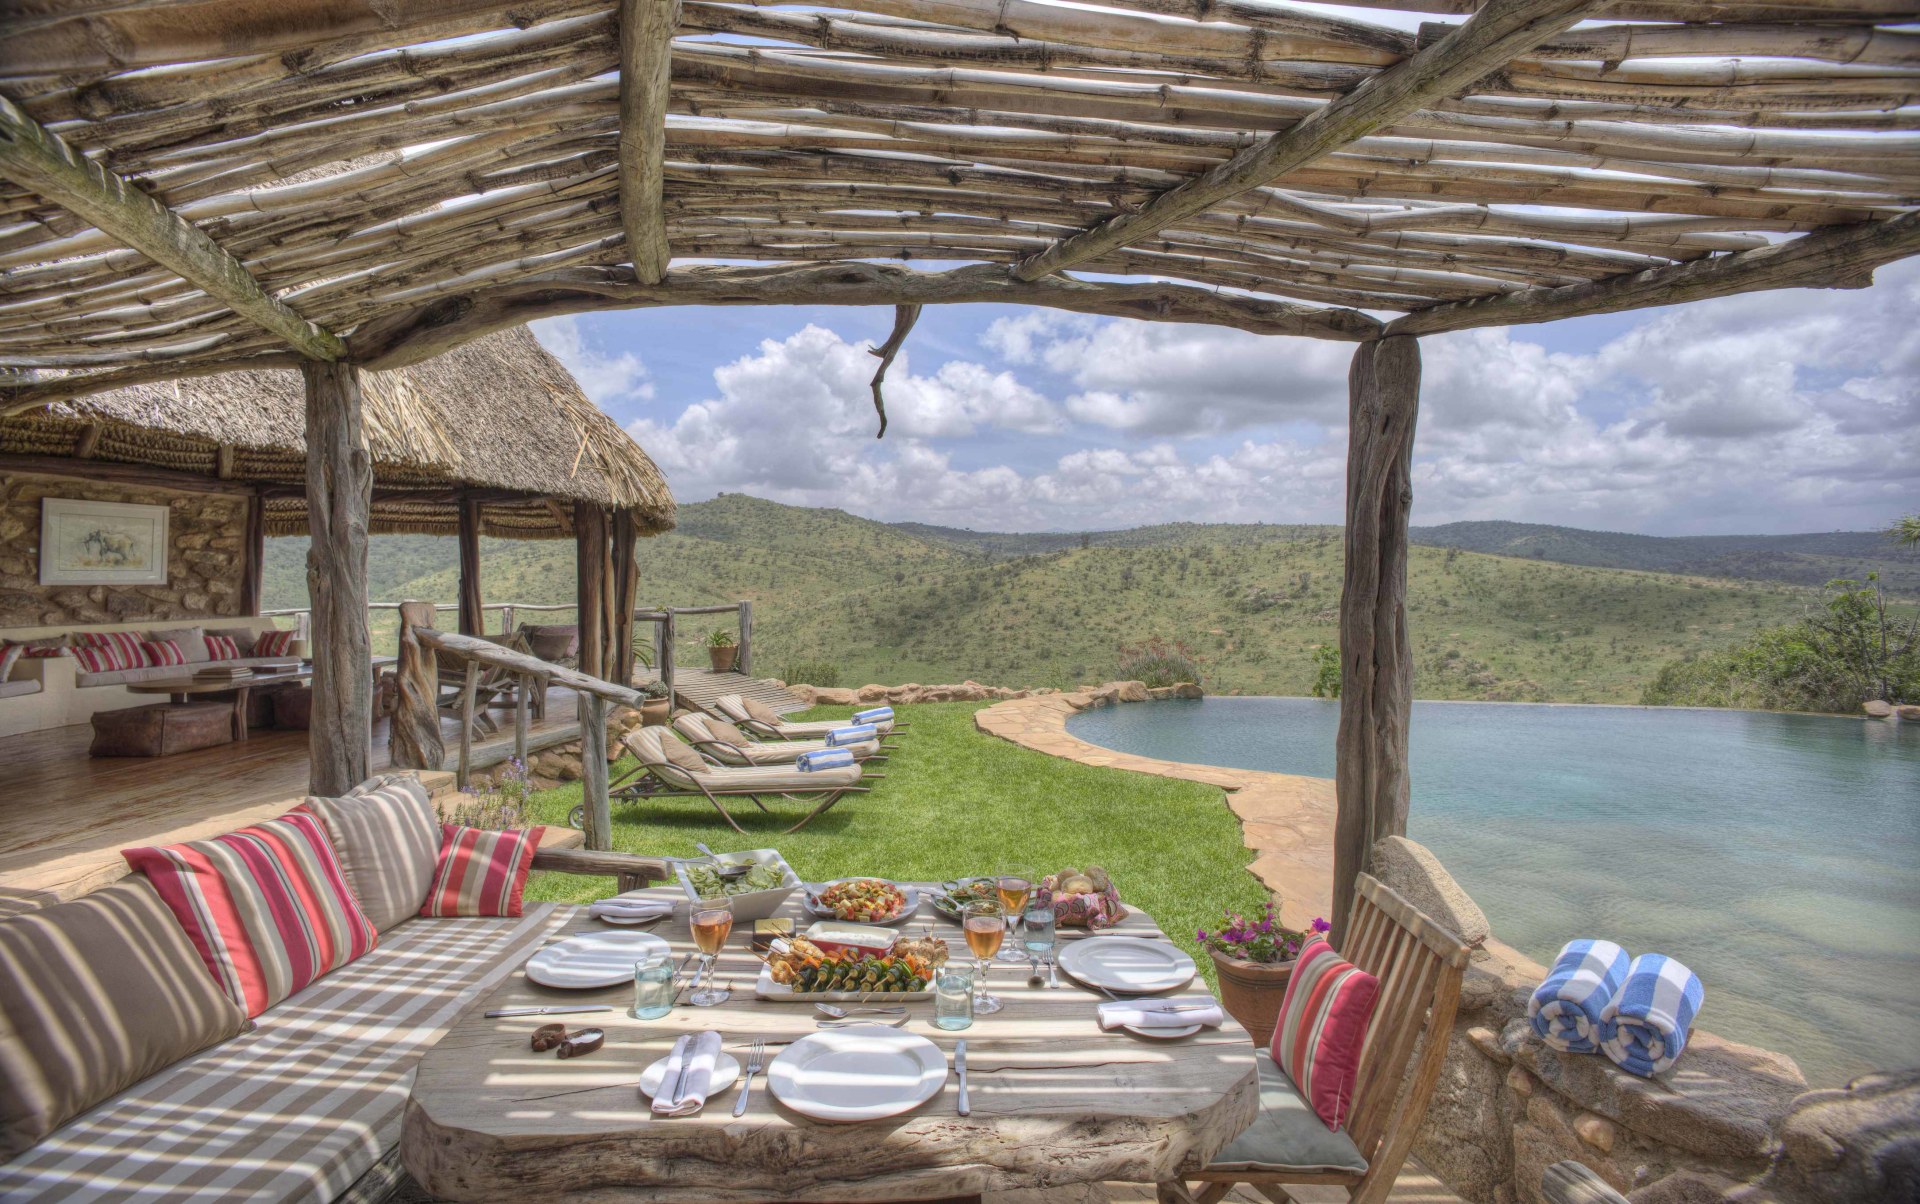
{"x": 809, "y": 899}
{"x": 726, "y": 1069}
{"x": 1129, "y": 965}
{"x": 866, "y": 1072}
{"x": 594, "y": 959}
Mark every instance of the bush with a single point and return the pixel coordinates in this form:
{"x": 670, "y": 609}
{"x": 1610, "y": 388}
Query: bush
{"x": 1326, "y": 671}
{"x": 1159, "y": 663}
{"x": 824, "y": 674}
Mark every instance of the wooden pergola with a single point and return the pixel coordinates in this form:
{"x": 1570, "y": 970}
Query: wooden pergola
{"x": 203, "y": 185}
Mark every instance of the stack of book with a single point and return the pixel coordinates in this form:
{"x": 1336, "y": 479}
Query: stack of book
{"x": 221, "y": 672}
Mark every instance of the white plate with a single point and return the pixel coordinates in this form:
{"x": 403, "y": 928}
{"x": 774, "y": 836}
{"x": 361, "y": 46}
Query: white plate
{"x": 726, "y": 1069}
{"x": 1130, "y": 964}
{"x": 861, "y": 1073}
{"x": 1163, "y": 1034}
{"x": 594, "y": 959}
{"x": 780, "y": 992}
{"x": 907, "y": 909}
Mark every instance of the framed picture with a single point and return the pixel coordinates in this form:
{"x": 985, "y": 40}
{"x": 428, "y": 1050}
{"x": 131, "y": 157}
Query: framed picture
{"x": 102, "y": 543}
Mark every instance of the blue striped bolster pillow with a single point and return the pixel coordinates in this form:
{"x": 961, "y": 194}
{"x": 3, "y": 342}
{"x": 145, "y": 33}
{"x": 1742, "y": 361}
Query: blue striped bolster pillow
{"x": 1566, "y": 1008}
{"x": 840, "y": 737}
{"x": 876, "y": 715}
{"x": 825, "y": 758}
{"x": 1646, "y": 1025}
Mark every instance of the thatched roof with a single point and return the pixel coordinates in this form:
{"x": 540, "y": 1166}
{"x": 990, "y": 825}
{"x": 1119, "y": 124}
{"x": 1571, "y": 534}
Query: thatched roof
{"x": 499, "y": 417}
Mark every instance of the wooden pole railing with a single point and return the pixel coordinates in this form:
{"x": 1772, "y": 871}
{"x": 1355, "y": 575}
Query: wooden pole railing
{"x": 666, "y": 632}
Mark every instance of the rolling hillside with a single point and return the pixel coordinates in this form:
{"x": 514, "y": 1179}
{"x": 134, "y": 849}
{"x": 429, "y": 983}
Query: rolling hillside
{"x": 908, "y": 602}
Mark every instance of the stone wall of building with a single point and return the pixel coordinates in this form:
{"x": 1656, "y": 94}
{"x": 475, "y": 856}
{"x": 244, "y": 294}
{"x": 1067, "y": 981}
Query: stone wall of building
{"x": 206, "y": 559}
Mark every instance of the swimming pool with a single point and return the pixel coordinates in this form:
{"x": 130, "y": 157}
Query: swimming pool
{"x": 1777, "y": 855}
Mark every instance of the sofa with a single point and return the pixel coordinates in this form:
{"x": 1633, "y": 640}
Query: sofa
{"x": 301, "y": 1103}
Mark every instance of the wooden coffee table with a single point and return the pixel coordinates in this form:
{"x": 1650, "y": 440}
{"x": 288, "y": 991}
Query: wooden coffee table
{"x": 1054, "y": 1099}
{"x": 179, "y": 689}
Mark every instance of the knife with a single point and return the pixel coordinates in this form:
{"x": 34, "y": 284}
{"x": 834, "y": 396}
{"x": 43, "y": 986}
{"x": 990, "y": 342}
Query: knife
{"x": 960, "y": 1064}
{"x": 498, "y": 1013}
{"x": 683, "y": 1047}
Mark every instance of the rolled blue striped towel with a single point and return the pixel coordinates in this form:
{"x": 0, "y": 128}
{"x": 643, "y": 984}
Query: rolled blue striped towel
{"x": 1566, "y": 1008}
{"x": 840, "y": 737}
{"x": 822, "y": 758}
{"x": 1646, "y": 1024}
{"x": 876, "y": 715}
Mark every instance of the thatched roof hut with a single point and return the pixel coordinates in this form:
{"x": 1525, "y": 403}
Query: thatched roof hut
{"x": 499, "y": 419}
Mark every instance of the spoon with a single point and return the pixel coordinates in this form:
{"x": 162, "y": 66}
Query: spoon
{"x": 835, "y": 1012}
{"x": 720, "y": 867}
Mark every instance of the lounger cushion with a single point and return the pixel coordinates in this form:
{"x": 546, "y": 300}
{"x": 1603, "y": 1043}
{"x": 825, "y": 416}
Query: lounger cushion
{"x": 302, "y": 1106}
{"x": 387, "y": 835}
{"x": 1286, "y": 1135}
{"x": 681, "y": 754}
{"x": 267, "y": 907}
{"x": 720, "y": 729}
{"x": 761, "y": 711}
{"x": 777, "y": 779}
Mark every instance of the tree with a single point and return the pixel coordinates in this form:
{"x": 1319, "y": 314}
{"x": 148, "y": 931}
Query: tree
{"x": 1326, "y": 671}
{"x": 1906, "y": 531}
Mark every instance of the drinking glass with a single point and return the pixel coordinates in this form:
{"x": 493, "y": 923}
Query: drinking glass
{"x": 953, "y": 998}
{"x": 1015, "y": 886}
{"x": 712, "y": 921}
{"x": 986, "y": 928}
{"x": 1036, "y": 926}
{"x": 652, "y": 988}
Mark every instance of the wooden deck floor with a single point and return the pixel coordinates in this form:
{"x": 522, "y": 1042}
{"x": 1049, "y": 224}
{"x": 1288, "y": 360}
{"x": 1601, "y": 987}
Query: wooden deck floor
{"x": 700, "y": 688}
{"x": 65, "y": 816}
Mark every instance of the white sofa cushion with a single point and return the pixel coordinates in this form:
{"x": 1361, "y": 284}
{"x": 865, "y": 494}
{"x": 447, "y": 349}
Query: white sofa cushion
{"x": 303, "y": 1105}
{"x": 122, "y": 677}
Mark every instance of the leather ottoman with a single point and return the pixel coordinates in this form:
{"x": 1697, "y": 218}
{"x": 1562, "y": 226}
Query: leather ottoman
{"x": 162, "y": 729}
{"x": 293, "y": 708}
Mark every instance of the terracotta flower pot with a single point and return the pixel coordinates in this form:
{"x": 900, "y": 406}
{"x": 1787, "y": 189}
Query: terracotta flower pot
{"x": 1252, "y": 992}
{"x": 654, "y": 712}
{"x": 723, "y": 656}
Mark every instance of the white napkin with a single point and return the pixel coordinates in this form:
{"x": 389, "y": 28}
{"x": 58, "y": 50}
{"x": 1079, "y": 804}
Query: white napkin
{"x": 1151, "y": 1014}
{"x": 701, "y": 1049}
{"x": 629, "y": 907}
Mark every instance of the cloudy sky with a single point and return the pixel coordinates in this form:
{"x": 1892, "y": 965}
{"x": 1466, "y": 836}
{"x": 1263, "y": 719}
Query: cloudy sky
{"x": 1773, "y": 412}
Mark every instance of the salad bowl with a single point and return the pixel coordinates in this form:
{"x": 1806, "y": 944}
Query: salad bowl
{"x": 755, "y": 896}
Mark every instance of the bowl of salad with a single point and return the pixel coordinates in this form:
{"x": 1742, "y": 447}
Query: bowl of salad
{"x": 755, "y": 895}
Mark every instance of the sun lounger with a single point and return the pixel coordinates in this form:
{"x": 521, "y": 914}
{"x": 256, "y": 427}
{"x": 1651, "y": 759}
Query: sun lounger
{"x": 740, "y": 710}
{"x": 670, "y": 767}
{"x": 721, "y": 741}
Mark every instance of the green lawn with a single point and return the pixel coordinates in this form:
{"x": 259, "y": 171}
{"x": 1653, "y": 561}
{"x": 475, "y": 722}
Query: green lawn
{"x": 956, "y": 801}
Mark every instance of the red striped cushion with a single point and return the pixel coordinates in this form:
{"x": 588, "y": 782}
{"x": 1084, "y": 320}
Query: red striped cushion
{"x": 98, "y": 658}
{"x": 266, "y": 907}
{"x": 129, "y": 647}
{"x": 222, "y": 648}
{"x": 273, "y": 643}
{"x": 164, "y": 652}
{"x": 481, "y": 873}
{"x": 1323, "y": 1028}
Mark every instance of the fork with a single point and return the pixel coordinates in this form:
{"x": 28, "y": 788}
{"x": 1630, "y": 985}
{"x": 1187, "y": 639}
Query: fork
{"x": 754, "y": 1066}
{"x": 850, "y": 1023}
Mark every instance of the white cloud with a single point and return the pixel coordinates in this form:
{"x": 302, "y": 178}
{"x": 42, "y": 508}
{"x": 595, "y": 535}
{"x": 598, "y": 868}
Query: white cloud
{"x": 604, "y": 378}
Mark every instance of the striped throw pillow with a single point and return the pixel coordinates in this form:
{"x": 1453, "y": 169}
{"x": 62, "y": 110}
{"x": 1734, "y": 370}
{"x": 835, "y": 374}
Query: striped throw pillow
{"x": 273, "y": 643}
{"x": 267, "y": 907}
{"x": 164, "y": 652}
{"x": 222, "y": 648}
{"x": 387, "y": 835}
{"x": 1323, "y": 1028}
{"x": 129, "y": 647}
{"x": 96, "y": 658}
{"x": 481, "y": 873}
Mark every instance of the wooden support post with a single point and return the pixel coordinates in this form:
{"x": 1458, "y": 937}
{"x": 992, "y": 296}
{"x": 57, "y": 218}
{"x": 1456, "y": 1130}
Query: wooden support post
{"x": 1376, "y": 658}
{"x": 744, "y": 661}
{"x": 668, "y": 635}
{"x": 590, "y": 580}
{"x": 339, "y": 500}
{"x": 646, "y": 72}
{"x": 473, "y": 618}
{"x": 626, "y": 585}
{"x": 254, "y": 573}
{"x": 468, "y": 689}
{"x": 524, "y": 684}
{"x": 593, "y": 771}
{"x": 413, "y": 735}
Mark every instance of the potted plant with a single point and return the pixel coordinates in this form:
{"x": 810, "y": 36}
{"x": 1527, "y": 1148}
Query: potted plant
{"x": 655, "y": 711}
{"x": 1254, "y": 960}
{"x": 721, "y": 649}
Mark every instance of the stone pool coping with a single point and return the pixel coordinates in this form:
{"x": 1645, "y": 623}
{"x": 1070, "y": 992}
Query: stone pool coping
{"x": 1286, "y": 819}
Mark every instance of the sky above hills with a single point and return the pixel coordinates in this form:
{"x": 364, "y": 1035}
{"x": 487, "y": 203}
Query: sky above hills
{"x": 1777, "y": 412}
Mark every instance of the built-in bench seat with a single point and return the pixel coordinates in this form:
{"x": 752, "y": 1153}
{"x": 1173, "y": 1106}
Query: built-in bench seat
{"x": 128, "y": 677}
{"x": 19, "y": 689}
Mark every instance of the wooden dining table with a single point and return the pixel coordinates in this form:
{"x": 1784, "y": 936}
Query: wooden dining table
{"x": 1054, "y": 1099}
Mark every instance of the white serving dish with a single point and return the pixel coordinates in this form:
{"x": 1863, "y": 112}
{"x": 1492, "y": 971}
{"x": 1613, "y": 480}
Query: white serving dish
{"x": 755, "y": 905}
{"x": 853, "y": 1074}
{"x": 779, "y": 992}
{"x": 595, "y": 959}
{"x": 833, "y": 935}
{"x": 908, "y": 907}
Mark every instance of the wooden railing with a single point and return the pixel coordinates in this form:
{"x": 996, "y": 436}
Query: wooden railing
{"x": 509, "y": 611}
{"x": 416, "y": 739}
{"x": 666, "y": 632}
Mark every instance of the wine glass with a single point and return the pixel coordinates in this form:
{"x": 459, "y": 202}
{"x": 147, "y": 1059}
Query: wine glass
{"x": 1014, "y": 885}
{"x": 712, "y": 919}
{"x": 986, "y": 927}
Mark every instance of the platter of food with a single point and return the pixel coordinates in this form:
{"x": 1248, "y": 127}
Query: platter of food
{"x": 957, "y": 894}
{"x": 863, "y": 901}
{"x": 755, "y": 895}
{"x": 801, "y": 971}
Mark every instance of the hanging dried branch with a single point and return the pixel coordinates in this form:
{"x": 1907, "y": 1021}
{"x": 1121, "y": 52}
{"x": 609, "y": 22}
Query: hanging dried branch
{"x": 904, "y": 316}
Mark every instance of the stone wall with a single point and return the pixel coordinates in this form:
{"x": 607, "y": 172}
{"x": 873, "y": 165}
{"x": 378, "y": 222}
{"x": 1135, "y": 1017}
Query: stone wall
{"x": 206, "y": 559}
{"x": 1729, "y": 1122}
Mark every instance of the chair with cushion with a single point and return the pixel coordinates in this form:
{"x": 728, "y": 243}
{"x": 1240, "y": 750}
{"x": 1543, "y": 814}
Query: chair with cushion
{"x": 669, "y": 768}
{"x": 721, "y": 741}
{"x": 1418, "y": 965}
{"x": 763, "y": 721}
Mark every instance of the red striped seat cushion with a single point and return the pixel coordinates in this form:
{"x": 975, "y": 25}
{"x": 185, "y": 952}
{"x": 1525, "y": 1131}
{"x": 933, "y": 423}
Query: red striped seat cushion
{"x": 222, "y": 648}
{"x": 481, "y": 873}
{"x": 129, "y": 648}
{"x": 267, "y": 907}
{"x": 273, "y": 643}
{"x": 164, "y": 652}
{"x": 1322, "y": 1029}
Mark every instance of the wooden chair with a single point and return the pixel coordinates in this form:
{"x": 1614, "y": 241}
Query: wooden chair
{"x": 1419, "y": 965}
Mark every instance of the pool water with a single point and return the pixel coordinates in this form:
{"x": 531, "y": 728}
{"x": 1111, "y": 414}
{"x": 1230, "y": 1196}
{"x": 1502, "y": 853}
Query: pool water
{"x": 1777, "y": 855}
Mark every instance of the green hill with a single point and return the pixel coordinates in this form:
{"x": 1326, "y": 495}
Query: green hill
{"x": 909, "y": 602}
